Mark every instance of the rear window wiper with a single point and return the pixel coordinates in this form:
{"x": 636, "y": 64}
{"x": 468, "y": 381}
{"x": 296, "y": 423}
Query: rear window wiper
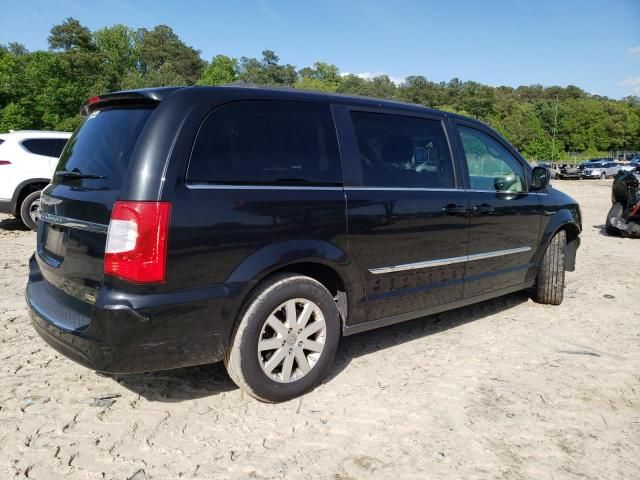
{"x": 72, "y": 174}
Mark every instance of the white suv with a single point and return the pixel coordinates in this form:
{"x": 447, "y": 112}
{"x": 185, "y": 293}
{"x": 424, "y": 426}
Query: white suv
{"x": 27, "y": 161}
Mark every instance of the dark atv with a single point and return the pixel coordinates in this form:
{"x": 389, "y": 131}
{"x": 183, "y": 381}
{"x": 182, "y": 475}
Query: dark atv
{"x": 624, "y": 217}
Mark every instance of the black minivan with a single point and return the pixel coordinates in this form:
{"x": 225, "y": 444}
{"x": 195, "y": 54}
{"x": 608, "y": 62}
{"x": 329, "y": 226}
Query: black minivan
{"x": 190, "y": 225}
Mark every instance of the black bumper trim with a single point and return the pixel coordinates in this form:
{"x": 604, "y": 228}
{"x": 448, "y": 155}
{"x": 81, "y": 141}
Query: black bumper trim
{"x": 7, "y": 206}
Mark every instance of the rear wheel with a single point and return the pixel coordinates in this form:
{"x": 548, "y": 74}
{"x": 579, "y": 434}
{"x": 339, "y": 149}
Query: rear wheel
{"x": 615, "y": 212}
{"x": 286, "y": 339}
{"x": 549, "y": 287}
{"x": 29, "y": 209}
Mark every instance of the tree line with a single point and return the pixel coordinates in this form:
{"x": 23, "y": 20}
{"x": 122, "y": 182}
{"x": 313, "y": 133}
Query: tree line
{"x": 45, "y": 89}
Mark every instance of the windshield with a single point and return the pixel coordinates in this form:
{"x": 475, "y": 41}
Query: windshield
{"x": 102, "y": 146}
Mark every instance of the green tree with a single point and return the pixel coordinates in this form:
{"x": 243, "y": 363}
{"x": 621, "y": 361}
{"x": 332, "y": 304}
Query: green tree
{"x": 119, "y": 53}
{"x": 418, "y": 89}
{"x": 266, "y": 71}
{"x": 166, "y": 58}
{"x": 517, "y": 122}
{"x": 13, "y": 117}
{"x": 353, "y": 85}
{"x": 14, "y": 48}
{"x": 220, "y": 71}
{"x": 71, "y": 35}
{"x": 477, "y": 99}
{"x": 321, "y": 76}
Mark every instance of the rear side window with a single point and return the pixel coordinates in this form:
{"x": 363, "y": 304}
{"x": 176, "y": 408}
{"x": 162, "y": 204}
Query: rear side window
{"x": 40, "y": 146}
{"x": 58, "y": 146}
{"x": 402, "y": 151}
{"x": 103, "y": 144}
{"x": 267, "y": 142}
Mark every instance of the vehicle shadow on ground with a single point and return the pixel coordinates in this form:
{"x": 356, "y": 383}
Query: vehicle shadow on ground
{"x": 12, "y": 224}
{"x": 602, "y": 229}
{"x": 380, "y": 339}
{"x": 197, "y": 382}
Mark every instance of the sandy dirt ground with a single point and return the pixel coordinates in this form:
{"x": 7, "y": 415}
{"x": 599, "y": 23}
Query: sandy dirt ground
{"x": 506, "y": 389}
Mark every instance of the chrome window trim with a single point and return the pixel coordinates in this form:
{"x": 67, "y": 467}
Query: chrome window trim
{"x": 72, "y": 223}
{"x": 447, "y": 261}
{"x": 504, "y": 192}
{"x": 205, "y": 186}
{"x": 404, "y": 189}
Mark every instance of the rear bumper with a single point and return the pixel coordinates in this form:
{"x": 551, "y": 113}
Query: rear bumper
{"x": 6, "y": 206}
{"x": 120, "y": 339}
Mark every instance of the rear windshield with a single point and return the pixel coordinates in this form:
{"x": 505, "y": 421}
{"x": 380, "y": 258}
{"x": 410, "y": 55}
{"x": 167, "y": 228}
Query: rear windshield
{"x": 103, "y": 144}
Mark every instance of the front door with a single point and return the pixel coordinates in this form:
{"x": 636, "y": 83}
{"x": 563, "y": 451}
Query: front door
{"x": 505, "y": 217}
{"x": 407, "y": 216}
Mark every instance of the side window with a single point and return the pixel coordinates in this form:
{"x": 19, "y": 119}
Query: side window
{"x": 267, "y": 142}
{"x": 58, "y": 146}
{"x": 39, "y": 146}
{"x": 491, "y": 166}
{"x": 402, "y": 151}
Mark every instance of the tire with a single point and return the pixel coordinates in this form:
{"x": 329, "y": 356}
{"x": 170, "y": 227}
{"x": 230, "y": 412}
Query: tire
{"x": 28, "y": 209}
{"x": 616, "y": 211}
{"x": 549, "y": 287}
{"x": 603, "y": 176}
{"x": 263, "y": 373}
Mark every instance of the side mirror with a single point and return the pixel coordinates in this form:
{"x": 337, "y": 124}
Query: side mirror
{"x": 540, "y": 177}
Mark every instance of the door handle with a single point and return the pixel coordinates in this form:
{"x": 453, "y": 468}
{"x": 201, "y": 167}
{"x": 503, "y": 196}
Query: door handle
{"x": 453, "y": 209}
{"x": 483, "y": 208}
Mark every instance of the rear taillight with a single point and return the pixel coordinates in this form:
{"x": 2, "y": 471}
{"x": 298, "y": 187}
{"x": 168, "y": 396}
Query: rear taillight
{"x": 5, "y": 162}
{"x": 137, "y": 241}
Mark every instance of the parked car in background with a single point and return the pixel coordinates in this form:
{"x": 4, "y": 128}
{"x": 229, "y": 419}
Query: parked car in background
{"x": 257, "y": 226}
{"x": 595, "y": 162}
{"x": 627, "y": 157}
{"x": 27, "y": 161}
{"x": 569, "y": 172}
{"x": 600, "y": 170}
{"x": 631, "y": 166}
{"x": 553, "y": 167}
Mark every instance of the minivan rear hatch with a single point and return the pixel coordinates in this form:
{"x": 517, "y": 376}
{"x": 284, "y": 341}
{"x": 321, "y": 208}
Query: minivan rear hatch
{"x": 76, "y": 206}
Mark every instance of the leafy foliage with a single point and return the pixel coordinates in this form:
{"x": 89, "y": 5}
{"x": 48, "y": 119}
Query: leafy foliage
{"x": 45, "y": 89}
{"x": 220, "y": 71}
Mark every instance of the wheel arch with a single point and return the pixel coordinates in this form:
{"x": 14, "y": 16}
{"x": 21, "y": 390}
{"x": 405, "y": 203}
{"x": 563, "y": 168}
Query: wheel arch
{"x": 562, "y": 220}
{"x": 324, "y": 262}
{"x": 25, "y": 188}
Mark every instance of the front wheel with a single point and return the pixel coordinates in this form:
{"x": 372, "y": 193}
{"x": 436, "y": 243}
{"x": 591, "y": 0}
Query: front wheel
{"x": 286, "y": 339}
{"x": 549, "y": 287}
{"x": 603, "y": 176}
{"x": 29, "y": 210}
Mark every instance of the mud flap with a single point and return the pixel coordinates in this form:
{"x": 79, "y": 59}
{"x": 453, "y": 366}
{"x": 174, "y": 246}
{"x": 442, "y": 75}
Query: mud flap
{"x": 570, "y": 251}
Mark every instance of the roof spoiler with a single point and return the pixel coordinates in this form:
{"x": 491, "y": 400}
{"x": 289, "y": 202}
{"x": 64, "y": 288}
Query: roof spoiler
{"x": 143, "y": 96}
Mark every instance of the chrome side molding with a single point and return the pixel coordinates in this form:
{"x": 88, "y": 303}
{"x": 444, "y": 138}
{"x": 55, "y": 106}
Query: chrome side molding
{"x": 447, "y": 261}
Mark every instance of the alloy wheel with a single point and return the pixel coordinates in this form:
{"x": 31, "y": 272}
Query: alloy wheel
{"x": 33, "y": 209}
{"x": 292, "y": 340}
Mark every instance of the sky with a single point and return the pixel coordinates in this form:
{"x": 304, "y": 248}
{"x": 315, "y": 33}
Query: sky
{"x": 592, "y": 44}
